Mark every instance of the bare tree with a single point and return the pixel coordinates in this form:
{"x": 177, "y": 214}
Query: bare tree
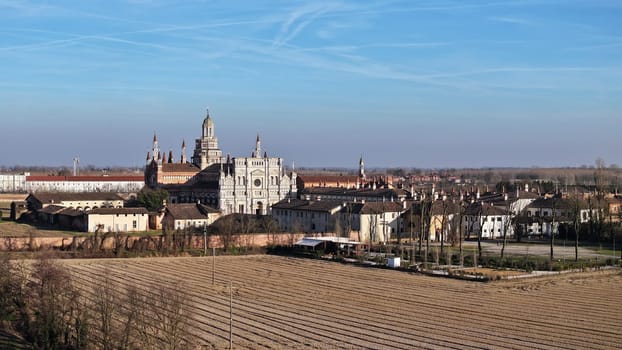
{"x": 507, "y": 224}
{"x": 575, "y": 214}
{"x": 425, "y": 217}
{"x": 107, "y": 306}
{"x": 171, "y": 317}
{"x": 53, "y": 307}
{"x": 444, "y": 219}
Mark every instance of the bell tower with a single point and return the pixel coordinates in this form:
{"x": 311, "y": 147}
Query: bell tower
{"x": 206, "y": 151}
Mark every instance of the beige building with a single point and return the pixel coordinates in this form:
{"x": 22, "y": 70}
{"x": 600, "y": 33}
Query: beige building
{"x": 117, "y": 220}
{"x": 362, "y": 221}
{"x": 372, "y": 221}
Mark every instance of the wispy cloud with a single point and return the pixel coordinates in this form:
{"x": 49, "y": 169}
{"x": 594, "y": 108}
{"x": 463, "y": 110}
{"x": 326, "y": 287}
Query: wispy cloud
{"x": 300, "y": 18}
{"x": 511, "y": 20}
{"x": 495, "y": 70}
{"x": 24, "y": 7}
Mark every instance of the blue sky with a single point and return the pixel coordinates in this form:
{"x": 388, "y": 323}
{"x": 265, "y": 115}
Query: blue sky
{"x": 404, "y": 83}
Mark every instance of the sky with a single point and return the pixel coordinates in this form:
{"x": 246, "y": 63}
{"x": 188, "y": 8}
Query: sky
{"x": 426, "y": 84}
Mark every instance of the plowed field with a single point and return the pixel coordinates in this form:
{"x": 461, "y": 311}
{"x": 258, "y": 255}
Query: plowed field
{"x": 287, "y": 303}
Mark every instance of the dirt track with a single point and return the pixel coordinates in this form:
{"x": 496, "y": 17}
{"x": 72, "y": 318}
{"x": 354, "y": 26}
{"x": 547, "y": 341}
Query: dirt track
{"x": 293, "y": 303}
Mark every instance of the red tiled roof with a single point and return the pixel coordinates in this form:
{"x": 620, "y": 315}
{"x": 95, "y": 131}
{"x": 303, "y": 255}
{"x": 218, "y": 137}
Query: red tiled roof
{"x": 179, "y": 168}
{"x": 58, "y": 197}
{"x": 51, "y": 178}
{"x": 190, "y": 211}
{"x": 111, "y": 211}
{"x": 299, "y": 204}
{"x": 330, "y": 178}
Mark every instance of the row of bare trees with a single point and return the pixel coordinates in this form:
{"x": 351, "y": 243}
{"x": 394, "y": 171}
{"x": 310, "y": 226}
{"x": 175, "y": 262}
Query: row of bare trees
{"x": 52, "y": 311}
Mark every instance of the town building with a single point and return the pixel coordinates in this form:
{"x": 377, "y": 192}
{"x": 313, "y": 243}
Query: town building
{"x": 372, "y": 221}
{"x": 13, "y": 183}
{"x": 188, "y": 215}
{"x": 296, "y": 215}
{"x": 361, "y": 221}
{"x": 245, "y": 185}
{"x": 116, "y": 220}
{"x": 370, "y": 194}
{"x": 76, "y": 184}
{"x": 488, "y": 220}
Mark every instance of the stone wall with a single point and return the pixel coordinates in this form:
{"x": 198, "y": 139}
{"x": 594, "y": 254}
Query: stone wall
{"x": 109, "y": 241}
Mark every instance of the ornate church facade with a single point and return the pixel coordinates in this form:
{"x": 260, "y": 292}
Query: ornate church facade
{"x": 246, "y": 185}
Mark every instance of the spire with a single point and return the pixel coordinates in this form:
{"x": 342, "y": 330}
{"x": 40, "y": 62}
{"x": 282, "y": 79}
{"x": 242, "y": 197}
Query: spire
{"x": 183, "y": 159}
{"x": 361, "y": 168}
{"x": 148, "y": 156}
{"x": 170, "y": 156}
{"x": 155, "y": 151}
{"x": 206, "y": 151}
{"x": 257, "y": 147}
{"x": 163, "y": 158}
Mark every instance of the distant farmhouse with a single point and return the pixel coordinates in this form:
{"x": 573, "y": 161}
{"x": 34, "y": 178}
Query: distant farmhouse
{"x": 89, "y": 212}
{"x": 245, "y": 185}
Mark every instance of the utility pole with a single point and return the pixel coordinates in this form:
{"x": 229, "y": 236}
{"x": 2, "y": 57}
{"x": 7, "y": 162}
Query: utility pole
{"x": 205, "y": 239}
{"x": 230, "y": 315}
{"x": 213, "y": 266}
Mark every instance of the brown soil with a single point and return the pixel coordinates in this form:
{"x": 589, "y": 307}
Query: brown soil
{"x": 288, "y": 303}
{"x": 493, "y": 273}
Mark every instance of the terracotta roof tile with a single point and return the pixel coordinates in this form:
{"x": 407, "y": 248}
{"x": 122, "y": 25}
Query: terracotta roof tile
{"x": 111, "y": 211}
{"x": 189, "y": 211}
{"x": 58, "y": 197}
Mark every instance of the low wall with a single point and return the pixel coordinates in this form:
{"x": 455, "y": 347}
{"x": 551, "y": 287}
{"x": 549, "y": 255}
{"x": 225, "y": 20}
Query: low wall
{"x": 146, "y": 242}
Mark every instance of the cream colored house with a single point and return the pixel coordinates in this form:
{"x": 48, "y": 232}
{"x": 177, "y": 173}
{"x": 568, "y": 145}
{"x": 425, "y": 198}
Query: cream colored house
{"x": 372, "y": 221}
{"x": 117, "y": 220}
